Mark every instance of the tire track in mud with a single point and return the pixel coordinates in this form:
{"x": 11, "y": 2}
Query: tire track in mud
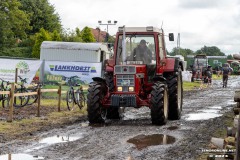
{"x": 110, "y": 141}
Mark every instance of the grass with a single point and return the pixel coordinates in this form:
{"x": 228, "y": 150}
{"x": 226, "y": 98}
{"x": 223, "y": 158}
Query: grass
{"x": 27, "y": 126}
{"x": 187, "y": 86}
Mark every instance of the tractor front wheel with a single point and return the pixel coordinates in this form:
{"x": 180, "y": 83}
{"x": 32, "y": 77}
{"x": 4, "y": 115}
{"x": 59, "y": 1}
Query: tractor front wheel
{"x": 159, "y": 104}
{"x": 96, "y": 93}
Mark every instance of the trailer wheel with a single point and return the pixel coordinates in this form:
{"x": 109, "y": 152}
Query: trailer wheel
{"x": 96, "y": 93}
{"x": 159, "y": 104}
{"x": 175, "y": 92}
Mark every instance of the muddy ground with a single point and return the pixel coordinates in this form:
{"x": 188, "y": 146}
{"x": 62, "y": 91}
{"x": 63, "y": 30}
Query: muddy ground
{"x": 204, "y": 114}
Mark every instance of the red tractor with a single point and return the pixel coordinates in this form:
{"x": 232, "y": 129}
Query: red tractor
{"x": 132, "y": 81}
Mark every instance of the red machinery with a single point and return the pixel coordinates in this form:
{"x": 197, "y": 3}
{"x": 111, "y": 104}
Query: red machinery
{"x": 131, "y": 82}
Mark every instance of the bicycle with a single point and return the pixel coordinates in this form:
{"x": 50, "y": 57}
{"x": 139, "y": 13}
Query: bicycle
{"x": 33, "y": 98}
{"x": 5, "y": 98}
{"x": 21, "y": 101}
{"x": 74, "y": 97}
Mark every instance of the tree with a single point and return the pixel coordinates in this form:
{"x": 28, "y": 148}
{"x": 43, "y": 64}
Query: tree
{"x": 71, "y": 36}
{"x": 13, "y": 23}
{"x": 56, "y": 36}
{"x": 87, "y": 35}
{"x": 42, "y": 15}
{"x": 43, "y": 35}
{"x": 230, "y": 57}
{"x": 181, "y": 51}
{"x": 210, "y": 51}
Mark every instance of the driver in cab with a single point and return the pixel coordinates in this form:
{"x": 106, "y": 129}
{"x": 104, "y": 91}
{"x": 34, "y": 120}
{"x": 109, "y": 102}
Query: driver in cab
{"x": 141, "y": 53}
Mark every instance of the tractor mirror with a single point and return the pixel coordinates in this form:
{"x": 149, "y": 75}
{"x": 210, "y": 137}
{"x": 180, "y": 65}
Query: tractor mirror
{"x": 171, "y": 37}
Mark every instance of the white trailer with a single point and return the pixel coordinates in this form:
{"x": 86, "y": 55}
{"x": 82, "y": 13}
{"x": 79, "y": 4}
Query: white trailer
{"x": 72, "y": 52}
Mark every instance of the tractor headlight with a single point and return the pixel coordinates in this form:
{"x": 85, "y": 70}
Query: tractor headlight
{"x": 130, "y": 89}
{"x": 119, "y": 89}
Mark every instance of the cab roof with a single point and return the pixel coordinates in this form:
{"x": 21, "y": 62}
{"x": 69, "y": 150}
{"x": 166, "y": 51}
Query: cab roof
{"x": 140, "y": 29}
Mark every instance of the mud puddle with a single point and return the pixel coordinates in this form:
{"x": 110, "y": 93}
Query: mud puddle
{"x": 144, "y": 141}
{"x": 45, "y": 142}
{"x": 20, "y": 157}
{"x": 201, "y": 116}
{"x": 58, "y": 139}
{"x": 171, "y": 128}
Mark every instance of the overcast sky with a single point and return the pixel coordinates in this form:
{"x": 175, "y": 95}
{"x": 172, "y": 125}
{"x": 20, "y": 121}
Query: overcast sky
{"x": 200, "y": 22}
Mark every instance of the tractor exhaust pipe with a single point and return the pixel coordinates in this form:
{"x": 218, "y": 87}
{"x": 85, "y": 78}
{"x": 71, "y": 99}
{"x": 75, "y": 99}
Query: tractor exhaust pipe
{"x": 124, "y": 46}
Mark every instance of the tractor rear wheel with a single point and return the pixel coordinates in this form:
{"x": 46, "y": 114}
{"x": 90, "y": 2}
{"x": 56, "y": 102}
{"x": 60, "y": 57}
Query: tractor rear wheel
{"x": 96, "y": 93}
{"x": 175, "y": 91}
{"x": 159, "y": 104}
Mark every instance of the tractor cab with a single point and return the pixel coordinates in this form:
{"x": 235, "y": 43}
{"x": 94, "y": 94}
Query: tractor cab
{"x": 140, "y": 51}
{"x": 199, "y": 67}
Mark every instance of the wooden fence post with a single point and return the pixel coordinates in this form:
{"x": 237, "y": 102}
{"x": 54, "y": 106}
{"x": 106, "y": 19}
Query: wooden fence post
{"x": 10, "y": 117}
{"x": 16, "y": 78}
{"x": 38, "y": 101}
{"x": 59, "y": 97}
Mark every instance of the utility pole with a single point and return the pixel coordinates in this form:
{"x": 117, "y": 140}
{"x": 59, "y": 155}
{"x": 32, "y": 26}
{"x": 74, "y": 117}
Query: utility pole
{"x": 178, "y": 44}
{"x": 106, "y": 24}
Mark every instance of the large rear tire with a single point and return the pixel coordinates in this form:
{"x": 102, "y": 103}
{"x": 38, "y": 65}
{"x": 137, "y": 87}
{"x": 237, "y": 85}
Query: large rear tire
{"x": 175, "y": 91}
{"x": 159, "y": 104}
{"x": 96, "y": 93}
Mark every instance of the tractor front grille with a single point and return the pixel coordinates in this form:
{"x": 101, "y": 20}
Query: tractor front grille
{"x": 125, "y": 81}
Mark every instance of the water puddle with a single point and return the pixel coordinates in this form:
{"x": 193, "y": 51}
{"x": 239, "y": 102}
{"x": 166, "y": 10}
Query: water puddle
{"x": 53, "y": 140}
{"x": 202, "y": 116}
{"x": 216, "y": 107}
{"x": 19, "y": 157}
{"x": 143, "y": 141}
{"x": 84, "y": 124}
{"x": 171, "y": 128}
{"x": 209, "y": 110}
{"x": 231, "y": 102}
{"x": 58, "y": 139}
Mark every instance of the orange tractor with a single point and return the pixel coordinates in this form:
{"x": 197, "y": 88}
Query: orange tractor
{"x": 132, "y": 81}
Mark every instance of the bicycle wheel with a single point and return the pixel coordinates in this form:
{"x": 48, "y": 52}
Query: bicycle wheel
{"x": 5, "y": 101}
{"x": 70, "y": 100}
{"x": 32, "y": 98}
{"x": 21, "y": 101}
{"x": 80, "y": 98}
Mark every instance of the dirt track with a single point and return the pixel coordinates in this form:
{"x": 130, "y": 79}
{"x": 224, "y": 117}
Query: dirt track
{"x": 183, "y": 139}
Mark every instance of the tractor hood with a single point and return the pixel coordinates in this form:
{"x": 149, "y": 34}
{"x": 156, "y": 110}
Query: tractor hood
{"x": 129, "y": 69}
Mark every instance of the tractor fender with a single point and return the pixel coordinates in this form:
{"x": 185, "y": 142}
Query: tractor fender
{"x": 173, "y": 64}
{"x": 159, "y": 78}
{"x": 99, "y": 79}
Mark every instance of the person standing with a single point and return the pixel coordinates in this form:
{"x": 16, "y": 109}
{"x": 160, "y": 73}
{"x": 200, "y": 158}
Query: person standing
{"x": 226, "y": 70}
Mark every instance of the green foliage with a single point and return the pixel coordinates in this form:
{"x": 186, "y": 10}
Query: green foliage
{"x": 42, "y": 15}
{"x": 71, "y": 36}
{"x": 87, "y": 35}
{"x": 230, "y": 57}
{"x": 181, "y": 51}
{"x": 210, "y": 51}
{"x": 43, "y": 35}
{"x": 13, "y": 23}
{"x": 56, "y": 36}
{"x": 17, "y": 52}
